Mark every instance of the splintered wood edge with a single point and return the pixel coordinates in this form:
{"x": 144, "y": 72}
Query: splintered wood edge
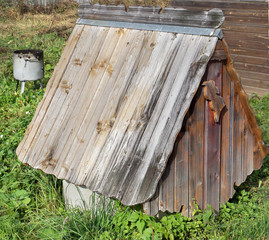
{"x": 216, "y": 103}
{"x": 245, "y": 102}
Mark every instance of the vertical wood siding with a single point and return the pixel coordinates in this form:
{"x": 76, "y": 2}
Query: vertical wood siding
{"x": 212, "y": 133}
{"x": 246, "y": 31}
{"x": 208, "y": 158}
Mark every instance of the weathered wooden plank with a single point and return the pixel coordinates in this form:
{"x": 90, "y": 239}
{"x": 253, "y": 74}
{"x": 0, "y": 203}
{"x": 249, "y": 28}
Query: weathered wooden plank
{"x": 253, "y": 75}
{"x": 260, "y": 19}
{"x": 252, "y": 14}
{"x": 258, "y": 44}
{"x": 237, "y": 161}
{"x": 162, "y": 202}
{"x": 138, "y": 53}
{"x": 57, "y": 100}
{"x": 147, "y": 208}
{"x": 182, "y": 170}
{"x": 219, "y": 53}
{"x": 254, "y": 82}
{"x": 196, "y": 145}
{"x": 154, "y": 203}
{"x": 102, "y": 76}
{"x": 152, "y": 207}
{"x": 235, "y": 22}
{"x": 252, "y": 68}
{"x": 249, "y": 149}
{"x": 167, "y": 197}
{"x": 225, "y": 176}
{"x": 232, "y": 143}
{"x": 213, "y": 138}
{"x": 243, "y": 144}
{"x": 245, "y": 103}
{"x": 260, "y": 91}
{"x": 50, "y": 90}
{"x": 248, "y": 52}
{"x": 52, "y": 138}
{"x": 245, "y": 36}
{"x": 257, "y": 157}
{"x": 67, "y": 114}
{"x": 238, "y": 29}
{"x": 263, "y": 61}
{"x": 170, "y": 192}
{"x": 169, "y": 15}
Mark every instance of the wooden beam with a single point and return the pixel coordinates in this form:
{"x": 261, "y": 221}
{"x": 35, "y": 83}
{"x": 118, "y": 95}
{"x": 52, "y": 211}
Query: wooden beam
{"x": 153, "y": 15}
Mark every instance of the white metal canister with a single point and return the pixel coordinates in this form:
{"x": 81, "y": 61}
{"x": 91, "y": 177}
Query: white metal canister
{"x": 28, "y": 65}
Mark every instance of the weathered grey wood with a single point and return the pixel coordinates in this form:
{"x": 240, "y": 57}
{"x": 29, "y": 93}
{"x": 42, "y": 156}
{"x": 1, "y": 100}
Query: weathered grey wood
{"x": 50, "y": 91}
{"x": 116, "y": 111}
{"x": 85, "y": 101}
{"x": 62, "y": 106}
{"x": 169, "y": 16}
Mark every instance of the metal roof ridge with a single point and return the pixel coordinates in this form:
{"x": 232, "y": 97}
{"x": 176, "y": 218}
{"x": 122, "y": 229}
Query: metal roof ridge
{"x": 212, "y": 32}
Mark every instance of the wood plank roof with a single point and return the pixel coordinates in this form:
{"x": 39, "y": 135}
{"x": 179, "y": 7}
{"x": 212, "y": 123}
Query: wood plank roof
{"x": 113, "y": 108}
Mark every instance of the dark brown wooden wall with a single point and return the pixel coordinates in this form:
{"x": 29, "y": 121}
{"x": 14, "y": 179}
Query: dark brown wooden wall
{"x": 246, "y": 31}
{"x": 208, "y": 158}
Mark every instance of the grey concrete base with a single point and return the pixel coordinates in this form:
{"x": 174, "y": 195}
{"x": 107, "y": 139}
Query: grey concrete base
{"x": 76, "y": 196}
{"x": 83, "y": 198}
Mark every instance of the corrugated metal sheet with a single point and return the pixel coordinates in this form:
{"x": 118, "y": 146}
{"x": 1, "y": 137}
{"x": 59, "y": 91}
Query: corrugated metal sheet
{"x": 113, "y": 109}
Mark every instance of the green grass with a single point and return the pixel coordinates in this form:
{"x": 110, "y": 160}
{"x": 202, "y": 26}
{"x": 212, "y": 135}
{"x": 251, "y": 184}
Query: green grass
{"x": 31, "y": 203}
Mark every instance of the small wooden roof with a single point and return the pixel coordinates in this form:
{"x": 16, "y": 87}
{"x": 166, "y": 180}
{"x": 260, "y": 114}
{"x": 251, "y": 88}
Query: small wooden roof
{"x": 113, "y": 108}
{"x": 117, "y": 100}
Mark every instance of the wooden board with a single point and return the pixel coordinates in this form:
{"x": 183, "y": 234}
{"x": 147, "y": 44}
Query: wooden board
{"x": 213, "y": 142}
{"x": 226, "y": 143}
{"x": 149, "y": 15}
{"x": 196, "y": 149}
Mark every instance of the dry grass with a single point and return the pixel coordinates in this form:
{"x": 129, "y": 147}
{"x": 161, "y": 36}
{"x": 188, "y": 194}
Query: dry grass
{"x": 127, "y": 3}
{"x": 19, "y": 24}
{"x": 38, "y": 20}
